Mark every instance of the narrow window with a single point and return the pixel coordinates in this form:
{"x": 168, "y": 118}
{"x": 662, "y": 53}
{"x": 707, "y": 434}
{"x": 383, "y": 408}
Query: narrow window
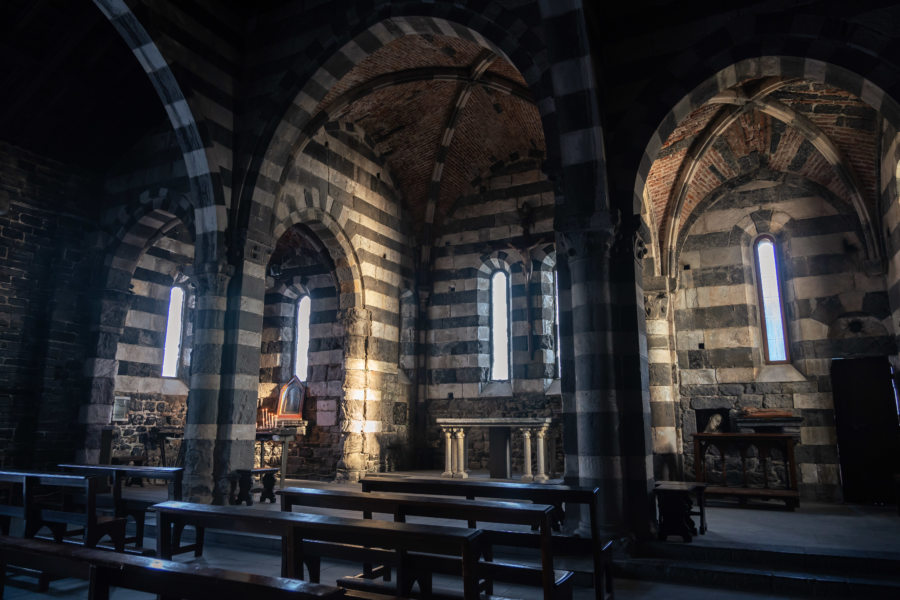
{"x": 500, "y": 326}
{"x": 774, "y": 334}
{"x": 301, "y": 337}
{"x": 174, "y": 329}
{"x": 556, "y": 325}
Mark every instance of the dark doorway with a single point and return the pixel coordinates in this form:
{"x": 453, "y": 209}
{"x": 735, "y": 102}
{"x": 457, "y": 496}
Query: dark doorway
{"x": 865, "y": 410}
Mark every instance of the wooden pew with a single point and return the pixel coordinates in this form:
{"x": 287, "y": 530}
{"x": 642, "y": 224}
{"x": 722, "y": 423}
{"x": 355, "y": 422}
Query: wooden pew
{"x": 15, "y": 495}
{"x": 558, "y": 496}
{"x": 57, "y": 501}
{"x": 537, "y": 516}
{"x": 297, "y": 530}
{"x": 123, "y": 506}
{"x": 163, "y": 577}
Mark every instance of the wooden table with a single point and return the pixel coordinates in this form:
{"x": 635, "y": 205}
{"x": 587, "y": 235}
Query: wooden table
{"x": 741, "y": 443}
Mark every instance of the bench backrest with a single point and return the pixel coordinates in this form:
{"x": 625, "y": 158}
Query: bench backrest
{"x": 120, "y": 473}
{"x": 15, "y": 493}
{"x": 154, "y": 575}
{"x": 425, "y": 538}
{"x": 65, "y": 498}
{"x": 402, "y": 505}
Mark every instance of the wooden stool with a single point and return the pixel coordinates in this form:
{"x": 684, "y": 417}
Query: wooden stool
{"x": 243, "y": 480}
{"x": 675, "y": 504}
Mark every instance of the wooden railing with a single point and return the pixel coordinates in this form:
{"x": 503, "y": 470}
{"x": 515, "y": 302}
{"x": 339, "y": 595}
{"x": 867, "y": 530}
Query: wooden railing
{"x": 740, "y": 444}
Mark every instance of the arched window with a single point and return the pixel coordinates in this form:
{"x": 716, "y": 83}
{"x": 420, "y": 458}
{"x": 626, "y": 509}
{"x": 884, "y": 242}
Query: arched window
{"x": 301, "y": 339}
{"x": 558, "y": 338}
{"x": 500, "y": 326}
{"x": 770, "y": 300}
{"x": 174, "y": 331}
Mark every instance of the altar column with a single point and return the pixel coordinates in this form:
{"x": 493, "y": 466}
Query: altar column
{"x": 541, "y": 475}
{"x": 526, "y": 443}
{"x": 460, "y": 472}
{"x": 448, "y": 452}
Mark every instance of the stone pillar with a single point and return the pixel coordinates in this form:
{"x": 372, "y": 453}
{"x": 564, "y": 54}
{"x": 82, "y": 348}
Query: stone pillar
{"x": 201, "y": 426}
{"x": 541, "y": 435}
{"x": 460, "y": 471}
{"x": 448, "y": 452}
{"x": 236, "y": 414}
{"x": 526, "y": 447}
{"x": 353, "y": 409}
{"x": 597, "y": 415}
{"x": 667, "y": 449}
{"x": 100, "y": 371}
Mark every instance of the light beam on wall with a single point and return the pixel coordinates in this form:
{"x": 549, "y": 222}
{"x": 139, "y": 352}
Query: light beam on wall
{"x": 301, "y": 349}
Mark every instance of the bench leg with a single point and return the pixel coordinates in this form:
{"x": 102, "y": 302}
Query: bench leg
{"x": 99, "y": 585}
{"x": 268, "y": 493}
{"x": 198, "y": 546}
{"x": 139, "y": 518}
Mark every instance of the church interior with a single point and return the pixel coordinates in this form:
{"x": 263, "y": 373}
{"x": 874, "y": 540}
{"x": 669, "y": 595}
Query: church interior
{"x": 590, "y": 244}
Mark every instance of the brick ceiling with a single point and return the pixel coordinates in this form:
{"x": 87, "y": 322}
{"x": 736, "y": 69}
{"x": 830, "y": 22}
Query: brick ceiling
{"x": 687, "y": 170}
{"x": 408, "y": 120}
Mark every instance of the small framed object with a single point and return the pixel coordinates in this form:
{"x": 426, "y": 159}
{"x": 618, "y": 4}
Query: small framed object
{"x": 120, "y": 409}
{"x": 290, "y": 401}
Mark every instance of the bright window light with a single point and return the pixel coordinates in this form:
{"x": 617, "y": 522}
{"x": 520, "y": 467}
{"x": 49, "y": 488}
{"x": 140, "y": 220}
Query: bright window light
{"x": 556, "y": 327}
{"x": 770, "y": 293}
{"x": 174, "y": 328}
{"x": 499, "y": 326}
{"x": 301, "y": 347}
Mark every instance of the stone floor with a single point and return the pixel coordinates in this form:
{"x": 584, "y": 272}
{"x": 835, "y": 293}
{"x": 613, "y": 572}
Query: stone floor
{"x": 822, "y": 528}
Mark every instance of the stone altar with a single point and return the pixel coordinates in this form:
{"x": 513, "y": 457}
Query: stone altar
{"x": 453, "y": 431}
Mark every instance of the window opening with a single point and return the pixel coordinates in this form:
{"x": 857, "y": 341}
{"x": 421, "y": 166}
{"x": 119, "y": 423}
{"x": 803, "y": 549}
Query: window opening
{"x": 301, "y": 337}
{"x": 500, "y": 326}
{"x": 174, "y": 332}
{"x": 774, "y": 333}
{"x": 556, "y": 326}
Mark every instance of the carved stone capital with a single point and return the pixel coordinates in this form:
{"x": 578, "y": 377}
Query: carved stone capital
{"x": 210, "y": 278}
{"x": 656, "y": 305}
{"x": 357, "y": 321}
{"x": 579, "y": 245}
{"x": 631, "y": 238}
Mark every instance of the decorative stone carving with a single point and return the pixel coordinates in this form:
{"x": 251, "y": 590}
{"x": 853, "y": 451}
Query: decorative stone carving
{"x": 656, "y": 305}
{"x": 210, "y": 278}
{"x": 579, "y": 245}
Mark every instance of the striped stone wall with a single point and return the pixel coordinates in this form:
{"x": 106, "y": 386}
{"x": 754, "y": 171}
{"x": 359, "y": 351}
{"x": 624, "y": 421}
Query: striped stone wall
{"x": 716, "y": 319}
{"x": 341, "y": 190}
{"x": 154, "y": 401}
{"x": 485, "y": 233}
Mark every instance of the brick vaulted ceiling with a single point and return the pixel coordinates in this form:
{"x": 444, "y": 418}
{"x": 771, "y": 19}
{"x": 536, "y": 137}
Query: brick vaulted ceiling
{"x": 825, "y": 135}
{"x": 442, "y": 111}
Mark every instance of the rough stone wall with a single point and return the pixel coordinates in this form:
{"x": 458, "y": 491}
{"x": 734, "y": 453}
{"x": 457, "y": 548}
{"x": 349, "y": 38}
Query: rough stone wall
{"x": 318, "y": 452}
{"x": 154, "y": 401}
{"x": 834, "y": 308}
{"x": 483, "y": 233}
{"x": 45, "y": 271}
{"x": 358, "y": 395}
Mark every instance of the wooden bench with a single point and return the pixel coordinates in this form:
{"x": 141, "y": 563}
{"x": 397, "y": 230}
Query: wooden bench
{"x": 57, "y": 501}
{"x": 557, "y": 496}
{"x": 166, "y": 578}
{"x": 124, "y": 506}
{"x": 15, "y": 495}
{"x": 302, "y": 532}
{"x": 537, "y": 516}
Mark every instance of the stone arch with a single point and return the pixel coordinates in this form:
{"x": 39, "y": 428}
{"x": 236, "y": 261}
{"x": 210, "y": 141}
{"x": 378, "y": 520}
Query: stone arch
{"x": 209, "y": 221}
{"x": 758, "y": 67}
{"x": 581, "y": 153}
{"x": 329, "y": 232}
{"x": 109, "y": 317}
